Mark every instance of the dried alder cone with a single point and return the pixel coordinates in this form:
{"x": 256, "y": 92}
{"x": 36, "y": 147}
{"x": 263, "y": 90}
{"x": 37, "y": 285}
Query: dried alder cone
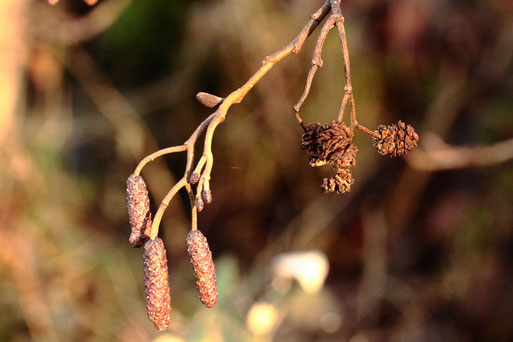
{"x": 138, "y": 204}
{"x": 332, "y": 144}
{"x": 203, "y": 266}
{"x": 156, "y": 284}
{"x": 396, "y": 139}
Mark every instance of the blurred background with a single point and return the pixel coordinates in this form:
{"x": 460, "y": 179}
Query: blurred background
{"x": 421, "y": 249}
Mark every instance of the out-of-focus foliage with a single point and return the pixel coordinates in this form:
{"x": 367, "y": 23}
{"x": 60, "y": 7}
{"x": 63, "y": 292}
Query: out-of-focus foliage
{"x": 413, "y": 256}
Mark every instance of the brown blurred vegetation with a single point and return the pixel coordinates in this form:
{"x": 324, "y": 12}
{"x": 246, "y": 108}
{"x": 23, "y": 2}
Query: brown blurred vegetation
{"x": 414, "y": 255}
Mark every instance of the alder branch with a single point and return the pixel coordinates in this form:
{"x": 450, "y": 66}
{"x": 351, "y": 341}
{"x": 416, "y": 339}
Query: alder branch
{"x": 202, "y": 171}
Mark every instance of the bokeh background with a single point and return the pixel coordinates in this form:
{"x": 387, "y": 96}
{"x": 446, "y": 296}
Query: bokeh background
{"x": 421, "y": 249}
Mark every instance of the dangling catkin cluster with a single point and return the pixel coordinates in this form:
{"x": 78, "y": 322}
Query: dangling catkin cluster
{"x": 396, "y": 139}
{"x": 138, "y": 204}
{"x": 203, "y": 266}
{"x": 156, "y": 284}
{"x": 332, "y": 144}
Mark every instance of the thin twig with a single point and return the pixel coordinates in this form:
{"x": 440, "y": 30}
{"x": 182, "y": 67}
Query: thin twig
{"x": 206, "y": 162}
{"x": 194, "y": 212}
{"x": 368, "y": 131}
{"x": 316, "y": 63}
{"x": 163, "y": 206}
{"x": 348, "y": 88}
{"x": 155, "y": 155}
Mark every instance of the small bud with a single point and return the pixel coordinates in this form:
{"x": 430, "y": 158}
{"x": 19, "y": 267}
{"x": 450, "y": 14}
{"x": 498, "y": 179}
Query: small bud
{"x": 207, "y": 196}
{"x": 208, "y": 100}
{"x": 200, "y": 205}
{"x": 156, "y": 284}
{"x": 203, "y": 266}
{"x": 195, "y": 177}
{"x": 138, "y": 204}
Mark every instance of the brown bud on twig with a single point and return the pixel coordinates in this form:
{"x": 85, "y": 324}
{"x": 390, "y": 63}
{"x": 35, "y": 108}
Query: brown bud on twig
{"x": 195, "y": 177}
{"x": 200, "y": 205}
{"x": 138, "y": 204}
{"x": 203, "y": 266}
{"x": 396, "y": 139}
{"x": 156, "y": 284}
{"x": 207, "y": 196}
{"x": 208, "y": 100}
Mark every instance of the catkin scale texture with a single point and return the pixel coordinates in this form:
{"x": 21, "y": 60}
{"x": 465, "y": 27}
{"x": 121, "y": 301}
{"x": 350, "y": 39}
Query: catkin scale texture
{"x": 138, "y": 204}
{"x": 395, "y": 140}
{"x": 203, "y": 266}
{"x": 156, "y": 283}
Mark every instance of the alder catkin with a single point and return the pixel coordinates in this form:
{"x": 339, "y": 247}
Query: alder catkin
{"x": 156, "y": 283}
{"x": 203, "y": 266}
{"x": 138, "y": 204}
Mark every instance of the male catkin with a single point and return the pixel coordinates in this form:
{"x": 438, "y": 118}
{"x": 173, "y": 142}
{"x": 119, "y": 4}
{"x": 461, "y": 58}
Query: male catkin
{"x": 156, "y": 283}
{"x": 203, "y": 266}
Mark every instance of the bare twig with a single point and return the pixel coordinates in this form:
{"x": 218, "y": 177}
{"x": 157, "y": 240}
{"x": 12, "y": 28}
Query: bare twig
{"x": 366, "y": 130}
{"x": 316, "y": 62}
{"x": 336, "y": 19}
{"x": 348, "y": 88}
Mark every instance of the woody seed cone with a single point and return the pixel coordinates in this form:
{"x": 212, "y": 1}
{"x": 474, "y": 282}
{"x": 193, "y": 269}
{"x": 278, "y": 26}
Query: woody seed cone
{"x": 395, "y": 140}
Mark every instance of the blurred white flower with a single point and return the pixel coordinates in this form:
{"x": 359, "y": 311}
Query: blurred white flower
{"x": 168, "y": 338}
{"x": 309, "y": 268}
{"x": 262, "y": 319}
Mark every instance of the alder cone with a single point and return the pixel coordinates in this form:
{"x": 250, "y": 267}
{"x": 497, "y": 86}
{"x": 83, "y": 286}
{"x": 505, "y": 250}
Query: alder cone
{"x": 156, "y": 284}
{"x": 395, "y": 140}
{"x": 340, "y": 183}
{"x": 203, "y": 266}
{"x": 332, "y": 144}
{"x": 138, "y": 204}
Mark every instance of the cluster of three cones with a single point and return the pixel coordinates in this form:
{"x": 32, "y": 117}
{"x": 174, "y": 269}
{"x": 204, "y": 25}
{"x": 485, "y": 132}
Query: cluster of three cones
{"x": 156, "y": 281}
